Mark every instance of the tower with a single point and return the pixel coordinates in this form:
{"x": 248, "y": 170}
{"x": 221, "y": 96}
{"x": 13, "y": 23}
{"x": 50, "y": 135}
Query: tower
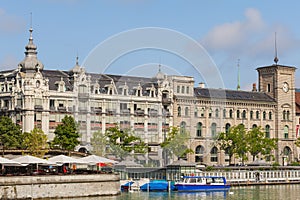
{"x": 278, "y": 81}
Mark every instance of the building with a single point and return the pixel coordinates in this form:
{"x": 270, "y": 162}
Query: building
{"x": 35, "y": 97}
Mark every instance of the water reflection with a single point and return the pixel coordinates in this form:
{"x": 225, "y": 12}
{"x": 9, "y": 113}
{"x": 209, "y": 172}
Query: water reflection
{"x": 263, "y": 192}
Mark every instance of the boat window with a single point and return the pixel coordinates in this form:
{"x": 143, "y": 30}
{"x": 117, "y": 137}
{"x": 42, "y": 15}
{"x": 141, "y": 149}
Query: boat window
{"x": 193, "y": 180}
{"x": 209, "y": 180}
{"x": 218, "y": 180}
{"x": 186, "y": 180}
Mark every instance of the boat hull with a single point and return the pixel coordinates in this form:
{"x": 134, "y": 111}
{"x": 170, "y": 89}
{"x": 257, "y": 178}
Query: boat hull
{"x": 200, "y": 188}
{"x": 157, "y": 186}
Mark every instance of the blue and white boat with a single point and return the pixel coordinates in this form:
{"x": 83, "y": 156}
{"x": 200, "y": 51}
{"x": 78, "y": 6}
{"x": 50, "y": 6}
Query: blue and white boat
{"x": 202, "y": 184}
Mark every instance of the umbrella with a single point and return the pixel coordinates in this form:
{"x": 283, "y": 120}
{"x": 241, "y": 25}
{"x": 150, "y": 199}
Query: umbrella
{"x": 27, "y": 159}
{"x": 62, "y": 159}
{"x": 93, "y": 160}
{"x": 7, "y": 162}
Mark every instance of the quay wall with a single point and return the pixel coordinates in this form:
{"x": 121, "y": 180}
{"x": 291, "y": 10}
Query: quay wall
{"x": 59, "y": 186}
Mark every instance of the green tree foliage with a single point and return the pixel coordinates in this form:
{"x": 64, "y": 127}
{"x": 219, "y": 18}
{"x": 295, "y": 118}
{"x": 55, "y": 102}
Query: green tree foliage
{"x": 36, "y": 142}
{"x": 10, "y": 133}
{"x": 259, "y": 144}
{"x": 230, "y": 140}
{"x": 124, "y": 142}
{"x": 99, "y": 142}
{"x": 176, "y": 142}
{"x": 237, "y": 141}
{"x": 66, "y": 134}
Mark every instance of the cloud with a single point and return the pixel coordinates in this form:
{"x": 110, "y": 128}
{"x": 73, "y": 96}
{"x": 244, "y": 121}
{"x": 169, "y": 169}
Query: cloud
{"x": 10, "y": 23}
{"x": 232, "y": 35}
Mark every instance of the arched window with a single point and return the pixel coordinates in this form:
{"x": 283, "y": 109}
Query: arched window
{"x": 213, "y": 130}
{"x": 186, "y": 111}
{"x": 267, "y": 131}
{"x": 199, "y": 129}
{"x": 230, "y": 113}
{"x": 244, "y": 114}
{"x": 210, "y": 113}
{"x": 196, "y": 112}
{"x": 288, "y": 115}
{"x": 254, "y": 126}
{"x": 251, "y": 114}
{"x": 179, "y": 111}
{"x": 224, "y": 113}
{"x": 264, "y": 115}
{"x": 238, "y": 114}
{"x": 202, "y": 112}
{"x": 182, "y": 127}
{"x": 257, "y": 114}
{"x": 227, "y": 127}
{"x": 284, "y": 115}
{"x": 217, "y": 113}
{"x": 286, "y": 132}
{"x": 199, "y": 150}
{"x": 214, "y": 154}
{"x": 270, "y": 115}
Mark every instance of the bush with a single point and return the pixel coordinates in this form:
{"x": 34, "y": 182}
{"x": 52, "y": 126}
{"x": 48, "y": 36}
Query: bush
{"x": 209, "y": 168}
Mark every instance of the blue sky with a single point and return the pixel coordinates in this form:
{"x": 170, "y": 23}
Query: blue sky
{"x": 227, "y": 30}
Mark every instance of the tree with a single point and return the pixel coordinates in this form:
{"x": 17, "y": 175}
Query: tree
{"x": 232, "y": 141}
{"x": 124, "y": 142}
{"x": 66, "y": 134}
{"x": 259, "y": 144}
{"x": 10, "y": 133}
{"x": 36, "y": 142}
{"x": 99, "y": 142}
{"x": 175, "y": 142}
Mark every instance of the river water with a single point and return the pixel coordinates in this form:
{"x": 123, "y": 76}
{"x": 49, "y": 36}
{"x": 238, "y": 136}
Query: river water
{"x": 262, "y": 192}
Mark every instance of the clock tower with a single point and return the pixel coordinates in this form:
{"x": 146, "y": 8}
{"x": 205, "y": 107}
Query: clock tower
{"x": 278, "y": 81}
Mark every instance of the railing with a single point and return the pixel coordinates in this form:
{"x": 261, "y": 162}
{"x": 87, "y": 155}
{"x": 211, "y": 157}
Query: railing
{"x": 257, "y": 176}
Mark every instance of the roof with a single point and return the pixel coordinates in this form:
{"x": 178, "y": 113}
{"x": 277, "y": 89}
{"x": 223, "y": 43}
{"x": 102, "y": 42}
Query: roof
{"x": 182, "y": 163}
{"x": 297, "y": 101}
{"x": 232, "y": 94}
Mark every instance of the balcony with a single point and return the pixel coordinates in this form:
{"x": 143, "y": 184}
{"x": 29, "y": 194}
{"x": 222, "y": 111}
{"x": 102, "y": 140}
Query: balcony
{"x": 166, "y": 101}
{"x": 61, "y": 108}
{"x": 139, "y": 112}
{"x": 38, "y": 107}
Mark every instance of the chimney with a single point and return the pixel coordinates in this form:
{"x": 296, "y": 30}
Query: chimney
{"x": 254, "y": 87}
{"x": 201, "y": 85}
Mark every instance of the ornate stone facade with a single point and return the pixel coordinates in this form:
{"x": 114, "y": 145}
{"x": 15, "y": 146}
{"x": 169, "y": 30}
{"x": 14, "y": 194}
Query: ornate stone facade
{"x": 33, "y": 96}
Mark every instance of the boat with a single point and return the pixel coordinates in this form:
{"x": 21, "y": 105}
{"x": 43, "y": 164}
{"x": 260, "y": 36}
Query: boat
{"x": 202, "y": 184}
{"x": 126, "y": 186}
{"x": 158, "y": 186}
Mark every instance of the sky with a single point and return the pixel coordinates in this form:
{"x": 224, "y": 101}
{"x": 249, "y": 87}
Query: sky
{"x": 212, "y": 41}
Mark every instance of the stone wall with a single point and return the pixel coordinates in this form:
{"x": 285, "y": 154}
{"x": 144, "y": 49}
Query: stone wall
{"x": 59, "y": 186}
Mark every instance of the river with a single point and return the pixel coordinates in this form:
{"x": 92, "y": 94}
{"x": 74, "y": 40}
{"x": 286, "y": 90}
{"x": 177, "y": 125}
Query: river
{"x": 262, "y": 192}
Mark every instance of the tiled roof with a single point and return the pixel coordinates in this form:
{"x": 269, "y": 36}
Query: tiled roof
{"x": 232, "y": 94}
{"x": 297, "y": 101}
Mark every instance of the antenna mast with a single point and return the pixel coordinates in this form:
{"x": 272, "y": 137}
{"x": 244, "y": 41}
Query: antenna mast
{"x": 238, "y": 75}
{"x": 276, "y": 58}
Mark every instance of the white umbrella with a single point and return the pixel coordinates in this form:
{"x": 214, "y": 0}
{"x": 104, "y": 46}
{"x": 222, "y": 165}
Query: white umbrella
{"x": 7, "y": 162}
{"x": 62, "y": 159}
{"x": 27, "y": 159}
{"x": 93, "y": 160}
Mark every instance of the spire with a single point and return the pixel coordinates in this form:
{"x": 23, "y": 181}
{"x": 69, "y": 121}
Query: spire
{"x": 238, "y": 75}
{"x": 159, "y": 74}
{"x": 276, "y": 58}
{"x": 30, "y": 62}
{"x": 76, "y": 68}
